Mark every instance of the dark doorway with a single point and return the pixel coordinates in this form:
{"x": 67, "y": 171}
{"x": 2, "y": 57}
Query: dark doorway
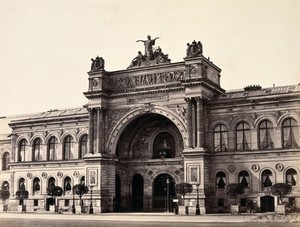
{"x": 118, "y": 194}
{"x": 163, "y": 193}
{"x": 49, "y": 202}
{"x": 267, "y": 203}
{"x": 137, "y": 192}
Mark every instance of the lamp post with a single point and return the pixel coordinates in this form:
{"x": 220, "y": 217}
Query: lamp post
{"x": 197, "y": 205}
{"x": 91, "y": 204}
{"x": 73, "y": 205}
{"x": 168, "y": 202}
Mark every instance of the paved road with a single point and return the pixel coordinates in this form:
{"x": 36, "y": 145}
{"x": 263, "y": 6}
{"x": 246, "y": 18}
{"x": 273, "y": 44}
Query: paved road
{"x": 127, "y": 219}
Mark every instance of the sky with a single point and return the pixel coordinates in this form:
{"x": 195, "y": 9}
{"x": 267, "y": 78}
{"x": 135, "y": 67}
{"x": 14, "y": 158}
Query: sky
{"x": 46, "y": 46}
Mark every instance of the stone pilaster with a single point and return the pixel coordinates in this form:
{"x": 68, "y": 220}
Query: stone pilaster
{"x": 193, "y": 125}
{"x": 200, "y": 122}
{"x": 91, "y": 131}
{"x": 100, "y": 128}
{"x": 189, "y": 122}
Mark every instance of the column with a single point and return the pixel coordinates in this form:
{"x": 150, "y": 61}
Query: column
{"x": 200, "y": 122}
{"x": 99, "y": 130}
{"x": 193, "y": 125}
{"x": 189, "y": 121}
{"x": 91, "y": 131}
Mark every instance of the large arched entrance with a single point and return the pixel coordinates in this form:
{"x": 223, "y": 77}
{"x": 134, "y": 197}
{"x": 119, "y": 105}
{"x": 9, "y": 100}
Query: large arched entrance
{"x": 267, "y": 203}
{"x": 147, "y": 147}
{"x": 163, "y": 193}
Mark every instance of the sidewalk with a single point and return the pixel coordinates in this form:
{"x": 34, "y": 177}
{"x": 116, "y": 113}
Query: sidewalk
{"x": 145, "y": 217}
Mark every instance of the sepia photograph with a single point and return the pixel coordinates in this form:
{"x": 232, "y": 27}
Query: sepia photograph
{"x": 149, "y": 113}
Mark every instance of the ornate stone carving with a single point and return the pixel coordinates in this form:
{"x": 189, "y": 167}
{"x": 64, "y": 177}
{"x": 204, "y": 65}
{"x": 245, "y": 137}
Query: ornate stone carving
{"x": 44, "y": 175}
{"x": 60, "y": 174}
{"x": 97, "y": 64}
{"x": 145, "y": 80}
{"x": 231, "y": 168}
{"x": 147, "y": 107}
{"x": 180, "y": 110}
{"x": 76, "y": 174}
{"x": 194, "y": 49}
{"x": 194, "y": 70}
{"x": 279, "y": 166}
{"x": 113, "y": 117}
{"x": 255, "y": 167}
{"x": 29, "y": 175}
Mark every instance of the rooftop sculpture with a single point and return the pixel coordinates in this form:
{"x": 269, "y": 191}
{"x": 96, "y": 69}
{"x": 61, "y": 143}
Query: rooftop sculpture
{"x": 97, "y": 64}
{"x": 151, "y": 56}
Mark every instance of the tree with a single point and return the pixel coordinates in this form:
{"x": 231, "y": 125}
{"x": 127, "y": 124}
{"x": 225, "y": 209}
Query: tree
{"x": 281, "y": 190}
{"x": 4, "y": 195}
{"x": 80, "y": 190}
{"x": 233, "y": 190}
{"x": 54, "y": 191}
{"x": 183, "y": 188}
{"x": 22, "y": 194}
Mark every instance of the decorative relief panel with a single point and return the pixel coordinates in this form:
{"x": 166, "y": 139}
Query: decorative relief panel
{"x": 180, "y": 110}
{"x": 146, "y": 80}
{"x": 113, "y": 117}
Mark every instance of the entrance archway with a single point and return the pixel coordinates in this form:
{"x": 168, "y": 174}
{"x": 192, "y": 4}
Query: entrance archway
{"x": 118, "y": 194}
{"x": 267, "y": 203}
{"x": 137, "y": 192}
{"x": 49, "y": 202}
{"x": 163, "y": 193}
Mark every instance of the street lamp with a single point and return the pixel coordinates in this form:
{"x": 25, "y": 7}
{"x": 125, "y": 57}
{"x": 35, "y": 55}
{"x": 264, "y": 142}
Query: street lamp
{"x": 91, "y": 204}
{"x": 168, "y": 202}
{"x": 197, "y": 205}
{"x": 73, "y": 205}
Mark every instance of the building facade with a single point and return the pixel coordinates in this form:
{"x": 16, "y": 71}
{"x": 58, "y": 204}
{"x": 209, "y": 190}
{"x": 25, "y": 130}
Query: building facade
{"x": 151, "y": 126}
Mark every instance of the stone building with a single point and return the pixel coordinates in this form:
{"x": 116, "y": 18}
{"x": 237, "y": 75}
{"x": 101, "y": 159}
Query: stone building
{"x": 151, "y": 126}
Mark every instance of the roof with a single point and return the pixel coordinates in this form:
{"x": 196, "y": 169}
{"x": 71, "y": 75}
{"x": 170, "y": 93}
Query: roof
{"x": 262, "y": 92}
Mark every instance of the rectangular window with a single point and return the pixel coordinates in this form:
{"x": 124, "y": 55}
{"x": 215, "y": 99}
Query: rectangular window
{"x": 67, "y": 202}
{"x": 35, "y": 202}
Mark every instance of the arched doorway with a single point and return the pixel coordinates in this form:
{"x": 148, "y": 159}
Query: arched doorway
{"x": 163, "y": 193}
{"x": 267, "y": 203}
{"x": 117, "y": 205}
{"x": 49, "y": 202}
{"x": 137, "y": 192}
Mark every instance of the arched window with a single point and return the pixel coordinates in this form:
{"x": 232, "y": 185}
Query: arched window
{"x": 67, "y": 184}
{"x": 291, "y": 177}
{"x": 36, "y": 185}
{"x": 37, "y": 145}
{"x": 220, "y": 180}
{"x": 5, "y": 185}
{"x": 5, "y": 161}
{"x": 22, "y": 183}
{"x": 244, "y": 179}
{"x": 164, "y": 146}
{"x": 290, "y": 133}
{"x": 266, "y": 135}
{"x": 52, "y": 149}
{"x": 266, "y": 179}
{"x": 83, "y": 146}
{"x": 243, "y": 137}
{"x": 51, "y": 182}
{"x": 22, "y": 150}
{"x": 68, "y": 148}
{"x": 220, "y": 138}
